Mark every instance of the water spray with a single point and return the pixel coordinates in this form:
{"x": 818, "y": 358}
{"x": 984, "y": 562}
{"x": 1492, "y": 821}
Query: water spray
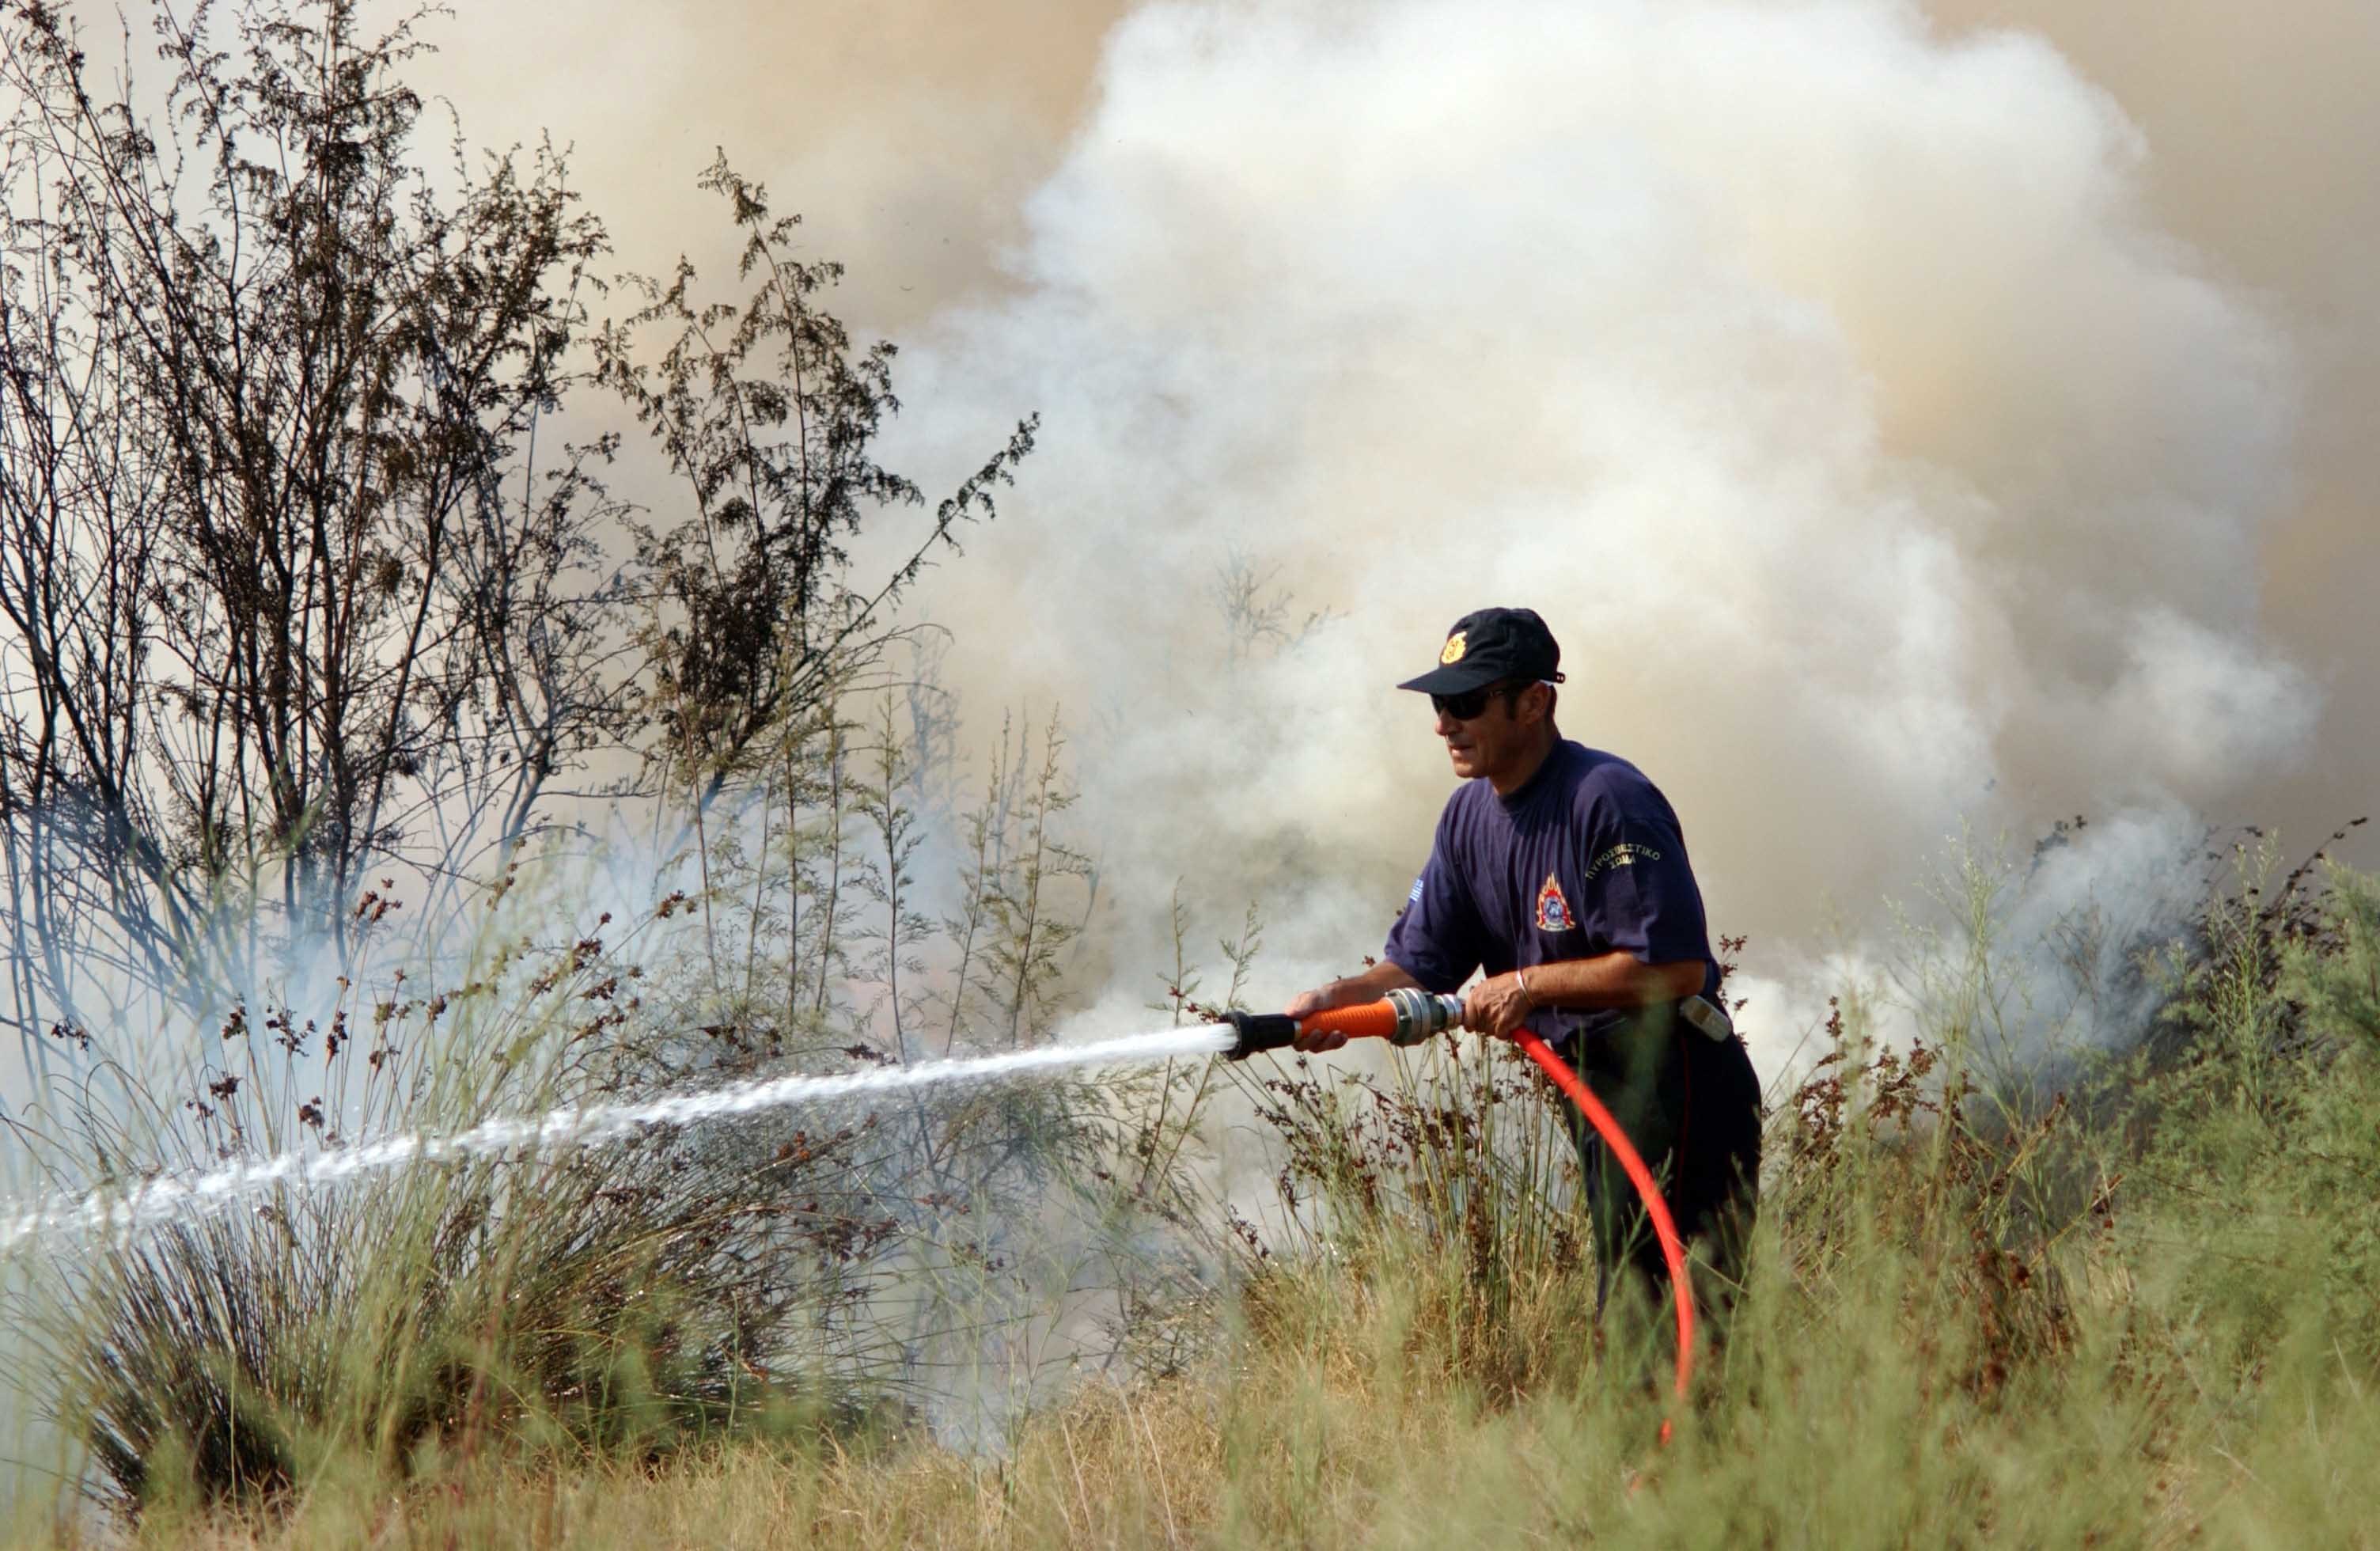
{"x": 182, "y": 1197}
{"x": 1403, "y": 1017}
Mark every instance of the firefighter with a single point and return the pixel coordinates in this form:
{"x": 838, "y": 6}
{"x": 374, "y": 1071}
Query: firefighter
{"x": 1559, "y": 873}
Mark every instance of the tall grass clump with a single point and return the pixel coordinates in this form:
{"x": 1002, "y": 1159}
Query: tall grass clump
{"x": 550, "y": 1302}
{"x": 1444, "y": 1174}
{"x": 2003, "y": 1289}
{"x": 829, "y": 1273}
{"x": 2256, "y": 1131}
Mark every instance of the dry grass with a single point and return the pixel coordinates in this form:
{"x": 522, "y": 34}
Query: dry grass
{"x": 2143, "y": 1320}
{"x": 1290, "y": 1449}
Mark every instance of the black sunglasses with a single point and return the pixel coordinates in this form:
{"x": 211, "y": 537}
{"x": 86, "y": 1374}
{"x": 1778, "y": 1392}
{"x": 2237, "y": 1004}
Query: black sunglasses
{"x": 1471, "y": 703}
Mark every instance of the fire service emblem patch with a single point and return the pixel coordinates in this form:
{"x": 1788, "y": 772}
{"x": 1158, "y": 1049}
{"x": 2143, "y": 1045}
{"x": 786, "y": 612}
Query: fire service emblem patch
{"x": 1553, "y": 911}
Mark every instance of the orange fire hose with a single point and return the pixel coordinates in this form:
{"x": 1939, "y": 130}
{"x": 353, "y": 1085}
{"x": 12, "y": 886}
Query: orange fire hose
{"x": 1368, "y": 1020}
{"x": 1390, "y": 1019}
{"x": 1673, "y": 1250}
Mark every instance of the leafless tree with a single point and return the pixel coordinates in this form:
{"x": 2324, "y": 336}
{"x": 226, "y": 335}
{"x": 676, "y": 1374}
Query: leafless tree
{"x": 294, "y": 594}
{"x": 286, "y": 596}
{"x": 767, "y": 417}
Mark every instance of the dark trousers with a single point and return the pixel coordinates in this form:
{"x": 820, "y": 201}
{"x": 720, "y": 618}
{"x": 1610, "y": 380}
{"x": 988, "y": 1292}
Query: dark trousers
{"x": 1690, "y": 1105}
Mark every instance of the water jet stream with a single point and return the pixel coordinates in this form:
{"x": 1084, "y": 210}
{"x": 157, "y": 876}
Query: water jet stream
{"x": 197, "y": 1193}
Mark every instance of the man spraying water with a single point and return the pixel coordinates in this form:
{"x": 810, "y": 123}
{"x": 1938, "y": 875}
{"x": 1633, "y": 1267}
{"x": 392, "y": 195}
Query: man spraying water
{"x": 1562, "y": 873}
{"x": 1560, "y": 870}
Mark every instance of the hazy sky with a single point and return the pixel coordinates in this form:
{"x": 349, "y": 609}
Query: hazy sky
{"x": 1905, "y": 415}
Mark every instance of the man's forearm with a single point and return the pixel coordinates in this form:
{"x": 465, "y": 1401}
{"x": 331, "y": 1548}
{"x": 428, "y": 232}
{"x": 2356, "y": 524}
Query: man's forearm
{"x": 1371, "y": 986}
{"x": 1609, "y": 980}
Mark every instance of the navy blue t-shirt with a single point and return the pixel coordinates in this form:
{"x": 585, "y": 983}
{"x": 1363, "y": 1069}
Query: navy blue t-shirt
{"x": 1586, "y": 859}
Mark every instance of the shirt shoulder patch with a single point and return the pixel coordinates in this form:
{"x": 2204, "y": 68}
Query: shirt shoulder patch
{"x": 1553, "y": 910}
{"x": 1621, "y": 855}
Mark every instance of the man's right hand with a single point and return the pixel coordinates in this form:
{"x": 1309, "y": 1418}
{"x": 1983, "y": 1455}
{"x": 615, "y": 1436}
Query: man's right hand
{"x": 1371, "y": 986}
{"x": 1303, "y": 1005}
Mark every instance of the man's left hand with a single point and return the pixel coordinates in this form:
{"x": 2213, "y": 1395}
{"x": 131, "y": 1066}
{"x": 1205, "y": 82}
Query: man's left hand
{"x": 1496, "y": 1007}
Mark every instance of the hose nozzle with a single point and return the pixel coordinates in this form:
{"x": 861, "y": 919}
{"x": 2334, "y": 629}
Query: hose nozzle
{"x": 1258, "y": 1031}
{"x": 1403, "y": 1017}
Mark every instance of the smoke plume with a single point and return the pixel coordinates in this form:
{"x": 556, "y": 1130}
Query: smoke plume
{"x": 1904, "y": 419}
{"x": 2262, "y": 151}
{"x": 1829, "y": 386}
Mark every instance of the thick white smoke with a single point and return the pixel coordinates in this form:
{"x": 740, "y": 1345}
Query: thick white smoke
{"x": 1877, "y": 461}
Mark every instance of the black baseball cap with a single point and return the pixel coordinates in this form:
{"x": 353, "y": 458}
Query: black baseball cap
{"x": 1492, "y": 646}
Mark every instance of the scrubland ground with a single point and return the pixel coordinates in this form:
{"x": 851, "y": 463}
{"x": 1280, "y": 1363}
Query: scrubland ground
{"x": 2129, "y": 1303}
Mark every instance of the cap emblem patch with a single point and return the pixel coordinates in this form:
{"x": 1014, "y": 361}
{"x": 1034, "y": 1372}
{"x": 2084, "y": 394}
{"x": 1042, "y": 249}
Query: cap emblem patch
{"x": 1455, "y": 649}
{"x": 1553, "y": 911}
